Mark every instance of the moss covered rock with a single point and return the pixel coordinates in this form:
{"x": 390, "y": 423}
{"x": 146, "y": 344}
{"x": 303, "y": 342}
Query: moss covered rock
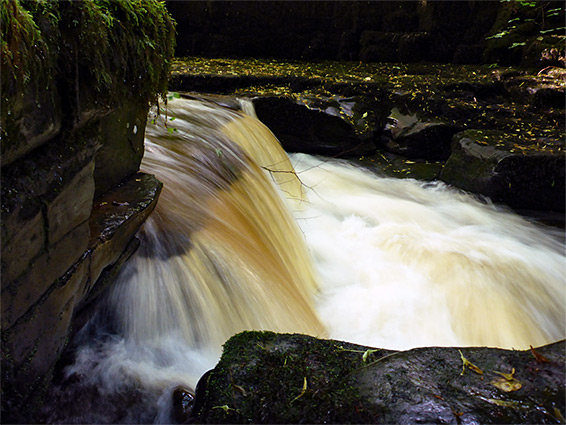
{"x": 265, "y": 377}
{"x": 78, "y": 78}
{"x": 65, "y": 63}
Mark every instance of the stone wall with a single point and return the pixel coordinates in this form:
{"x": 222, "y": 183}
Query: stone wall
{"x": 72, "y": 196}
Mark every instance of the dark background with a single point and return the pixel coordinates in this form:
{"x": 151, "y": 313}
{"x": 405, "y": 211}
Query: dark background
{"x": 405, "y": 31}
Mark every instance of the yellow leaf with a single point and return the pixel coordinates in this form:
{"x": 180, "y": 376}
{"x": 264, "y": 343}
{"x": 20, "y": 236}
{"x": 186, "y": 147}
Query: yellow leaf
{"x": 470, "y": 365}
{"x": 303, "y": 390}
{"x": 506, "y": 385}
{"x": 508, "y": 376}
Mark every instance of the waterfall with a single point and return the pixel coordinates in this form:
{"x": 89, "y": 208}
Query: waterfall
{"x": 246, "y": 237}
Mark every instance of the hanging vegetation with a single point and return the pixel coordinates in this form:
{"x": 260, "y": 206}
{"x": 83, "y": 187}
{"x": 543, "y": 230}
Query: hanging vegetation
{"x": 115, "y": 50}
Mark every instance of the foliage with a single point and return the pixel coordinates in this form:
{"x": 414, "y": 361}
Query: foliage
{"x": 120, "y": 48}
{"x": 125, "y": 47}
{"x": 526, "y": 22}
{"x": 25, "y": 52}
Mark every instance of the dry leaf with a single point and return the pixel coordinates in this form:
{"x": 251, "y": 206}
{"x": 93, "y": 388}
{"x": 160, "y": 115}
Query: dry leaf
{"x": 539, "y": 357}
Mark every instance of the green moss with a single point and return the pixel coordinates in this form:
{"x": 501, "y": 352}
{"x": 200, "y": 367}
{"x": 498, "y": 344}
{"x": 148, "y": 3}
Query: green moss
{"x": 25, "y": 52}
{"x": 286, "y": 379}
{"x": 123, "y": 47}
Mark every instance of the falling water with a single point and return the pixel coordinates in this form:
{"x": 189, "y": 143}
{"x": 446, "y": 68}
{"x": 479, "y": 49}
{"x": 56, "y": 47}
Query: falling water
{"x": 387, "y": 263}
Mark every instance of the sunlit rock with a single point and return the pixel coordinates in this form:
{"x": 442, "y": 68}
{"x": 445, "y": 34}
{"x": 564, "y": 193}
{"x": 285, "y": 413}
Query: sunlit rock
{"x": 507, "y": 168}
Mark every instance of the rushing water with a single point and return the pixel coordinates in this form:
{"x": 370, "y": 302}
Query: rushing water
{"x": 246, "y": 237}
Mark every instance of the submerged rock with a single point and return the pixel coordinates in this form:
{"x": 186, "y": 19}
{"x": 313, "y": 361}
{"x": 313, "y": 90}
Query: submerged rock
{"x": 265, "y": 377}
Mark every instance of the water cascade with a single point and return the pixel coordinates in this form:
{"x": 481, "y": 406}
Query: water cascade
{"x": 242, "y": 239}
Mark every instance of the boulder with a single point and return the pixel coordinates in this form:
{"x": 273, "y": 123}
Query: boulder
{"x": 264, "y": 377}
{"x": 412, "y": 137}
{"x": 503, "y": 167}
{"x": 300, "y": 129}
{"x": 543, "y": 91}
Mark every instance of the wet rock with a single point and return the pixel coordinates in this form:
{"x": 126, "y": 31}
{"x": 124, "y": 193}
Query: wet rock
{"x": 36, "y": 195}
{"x": 37, "y": 308}
{"x": 412, "y": 137}
{"x": 183, "y": 402}
{"x": 22, "y": 240}
{"x": 31, "y": 347}
{"x": 503, "y": 167}
{"x": 545, "y": 90}
{"x": 20, "y": 296}
{"x": 265, "y": 377}
{"x": 120, "y": 155}
{"x": 116, "y": 218}
{"x": 300, "y": 129}
{"x": 71, "y": 206}
{"x": 32, "y": 118}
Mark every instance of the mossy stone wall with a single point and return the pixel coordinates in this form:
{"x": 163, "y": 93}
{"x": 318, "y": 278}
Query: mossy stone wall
{"x": 78, "y": 78}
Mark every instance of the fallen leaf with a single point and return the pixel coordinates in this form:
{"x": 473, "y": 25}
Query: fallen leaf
{"x": 470, "y": 365}
{"x": 558, "y": 415}
{"x": 506, "y": 385}
{"x": 303, "y": 391}
{"x": 241, "y": 389}
{"x": 539, "y": 357}
{"x": 508, "y": 376}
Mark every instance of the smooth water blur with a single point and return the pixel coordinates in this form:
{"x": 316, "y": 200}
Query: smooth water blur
{"x": 404, "y": 263}
{"x": 333, "y": 251}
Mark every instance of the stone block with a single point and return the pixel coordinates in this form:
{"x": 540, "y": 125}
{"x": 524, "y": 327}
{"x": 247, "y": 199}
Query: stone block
{"x": 72, "y": 205}
{"x": 116, "y": 218}
{"x": 33, "y": 345}
{"x": 18, "y": 297}
{"x": 22, "y": 239}
{"x": 120, "y": 155}
{"x": 33, "y": 118}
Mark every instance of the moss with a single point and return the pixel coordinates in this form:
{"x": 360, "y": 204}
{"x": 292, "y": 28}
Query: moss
{"x": 288, "y": 379}
{"x": 25, "y": 51}
{"x": 121, "y": 49}
{"x": 125, "y": 47}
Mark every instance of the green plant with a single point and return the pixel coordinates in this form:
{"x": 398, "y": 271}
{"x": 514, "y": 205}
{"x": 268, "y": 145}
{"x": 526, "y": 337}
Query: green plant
{"x": 25, "y": 52}
{"x": 530, "y": 18}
